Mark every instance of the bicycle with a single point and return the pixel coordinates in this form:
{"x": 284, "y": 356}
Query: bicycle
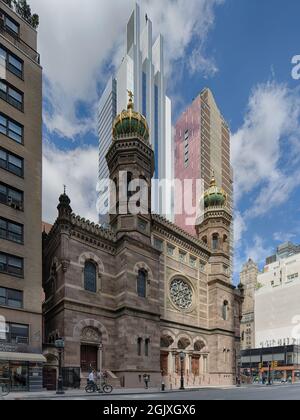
{"x": 92, "y": 387}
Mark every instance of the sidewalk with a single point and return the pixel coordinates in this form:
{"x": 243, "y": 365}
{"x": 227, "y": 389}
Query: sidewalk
{"x": 50, "y": 395}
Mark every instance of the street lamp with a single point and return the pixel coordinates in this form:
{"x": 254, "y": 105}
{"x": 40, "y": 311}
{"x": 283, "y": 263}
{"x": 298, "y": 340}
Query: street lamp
{"x": 60, "y": 346}
{"x": 100, "y": 347}
{"x": 182, "y": 358}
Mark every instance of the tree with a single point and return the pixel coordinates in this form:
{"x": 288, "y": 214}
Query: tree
{"x": 35, "y": 21}
{"x": 23, "y": 9}
{"x": 8, "y": 2}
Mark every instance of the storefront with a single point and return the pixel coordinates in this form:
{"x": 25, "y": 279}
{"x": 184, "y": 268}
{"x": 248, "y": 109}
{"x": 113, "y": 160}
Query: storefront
{"x": 277, "y": 364}
{"x": 22, "y": 371}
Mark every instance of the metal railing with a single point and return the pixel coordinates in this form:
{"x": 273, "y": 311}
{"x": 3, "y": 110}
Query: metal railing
{"x": 19, "y": 43}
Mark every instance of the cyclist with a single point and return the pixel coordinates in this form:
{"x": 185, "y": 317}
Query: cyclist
{"x": 92, "y": 378}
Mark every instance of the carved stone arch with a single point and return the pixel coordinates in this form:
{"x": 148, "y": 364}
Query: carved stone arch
{"x": 89, "y": 256}
{"x": 93, "y": 324}
{"x": 169, "y": 333}
{"x": 196, "y": 344}
{"x": 167, "y": 339}
{"x": 143, "y": 266}
{"x": 184, "y": 342}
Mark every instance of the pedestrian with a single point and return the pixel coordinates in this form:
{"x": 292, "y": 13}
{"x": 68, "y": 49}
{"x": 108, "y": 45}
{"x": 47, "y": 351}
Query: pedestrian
{"x": 92, "y": 377}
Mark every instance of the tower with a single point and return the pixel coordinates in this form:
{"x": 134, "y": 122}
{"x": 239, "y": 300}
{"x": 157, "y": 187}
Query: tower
{"x": 214, "y": 231}
{"x": 130, "y": 160}
{"x": 141, "y": 71}
{"x": 248, "y": 278}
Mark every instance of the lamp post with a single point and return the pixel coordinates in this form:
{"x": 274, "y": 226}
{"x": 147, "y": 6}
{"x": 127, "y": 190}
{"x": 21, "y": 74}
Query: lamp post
{"x": 100, "y": 347}
{"x": 60, "y": 345}
{"x": 182, "y": 358}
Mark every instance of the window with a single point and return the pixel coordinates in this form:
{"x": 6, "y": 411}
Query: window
{"x": 16, "y": 334}
{"x": 11, "y": 163}
{"x": 11, "y": 25}
{"x": 139, "y": 346}
{"x": 182, "y": 257}
{"x": 147, "y": 344}
{"x": 142, "y": 283}
{"x": 293, "y": 276}
{"x": 11, "y": 231}
{"x": 171, "y": 250}
{"x": 193, "y": 262}
{"x": 90, "y": 277}
{"x": 11, "y": 95}
{"x": 158, "y": 244}
{"x": 13, "y": 63}
{"x": 215, "y": 241}
{"x": 11, "y": 265}
{"x": 204, "y": 240}
{"x": 225, "y": 310}
{"x": 11, "y": 197}
{"x": 144, "y": 94}
{"x": 11, "y": 129}
{"x": 186, "y": 149}
{"x": 11, "y": 298}
{"x": 156, "y": 130}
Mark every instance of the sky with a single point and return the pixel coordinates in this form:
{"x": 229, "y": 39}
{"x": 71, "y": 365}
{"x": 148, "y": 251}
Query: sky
{"x": 241, "y": 49}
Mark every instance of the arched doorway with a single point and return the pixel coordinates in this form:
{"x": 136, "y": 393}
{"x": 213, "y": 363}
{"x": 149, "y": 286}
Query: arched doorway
{"x": 90, "y": 349}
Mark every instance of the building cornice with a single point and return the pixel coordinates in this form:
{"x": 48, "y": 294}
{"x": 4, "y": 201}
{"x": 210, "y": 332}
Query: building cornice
{"x": 176, "y": 234}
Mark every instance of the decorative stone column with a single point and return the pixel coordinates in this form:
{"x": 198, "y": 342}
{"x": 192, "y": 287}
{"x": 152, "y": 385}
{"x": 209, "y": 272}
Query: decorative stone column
{"x": 170, "y": 363}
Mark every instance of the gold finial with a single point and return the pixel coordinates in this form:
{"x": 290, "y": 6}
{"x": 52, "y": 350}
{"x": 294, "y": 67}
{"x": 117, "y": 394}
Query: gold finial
{"x": 213, "y": 182}
{"x": 131, "y": 96}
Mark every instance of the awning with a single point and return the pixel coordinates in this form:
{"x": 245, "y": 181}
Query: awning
{"x": 22, "y": 357}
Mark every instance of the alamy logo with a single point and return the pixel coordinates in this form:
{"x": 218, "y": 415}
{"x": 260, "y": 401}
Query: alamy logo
{"x": 296, "y": 68}
{"x": 125, "y": 195}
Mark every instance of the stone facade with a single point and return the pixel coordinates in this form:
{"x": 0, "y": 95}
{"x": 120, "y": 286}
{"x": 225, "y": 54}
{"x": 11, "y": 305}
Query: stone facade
{"x": 158, "y": 291}
{"x": 248, "y": 278}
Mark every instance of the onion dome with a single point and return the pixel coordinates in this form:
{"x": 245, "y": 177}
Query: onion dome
{"x": 130, "y": 123}
{"x": 214, "y": 196}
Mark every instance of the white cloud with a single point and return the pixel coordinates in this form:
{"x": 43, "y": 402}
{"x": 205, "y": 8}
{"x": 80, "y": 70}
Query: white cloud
{"x": 265, "y": 159}
{"x": 77, "y": 40}
{"x": 239, "y": 228}
{"x": 270, "y": 127}
{"x": 77, "y": 169}
{"x": 284, "y": 237}
{"x": 258, "y": 251}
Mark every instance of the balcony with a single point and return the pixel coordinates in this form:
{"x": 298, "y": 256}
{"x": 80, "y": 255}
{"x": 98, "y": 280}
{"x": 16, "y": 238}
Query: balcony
{"x": 19, "y": 43}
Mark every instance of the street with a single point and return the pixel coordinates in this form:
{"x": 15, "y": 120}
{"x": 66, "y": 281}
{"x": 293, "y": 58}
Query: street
{"x": 278, "y": 392}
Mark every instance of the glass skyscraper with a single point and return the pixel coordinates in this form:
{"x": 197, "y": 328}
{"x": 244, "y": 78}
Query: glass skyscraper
{"x": 142, "y": 72}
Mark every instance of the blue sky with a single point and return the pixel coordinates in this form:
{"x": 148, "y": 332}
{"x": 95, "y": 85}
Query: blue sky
{"x": 241, "y": 49}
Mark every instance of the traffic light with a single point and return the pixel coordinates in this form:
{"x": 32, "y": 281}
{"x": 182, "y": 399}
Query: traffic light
{"x": 275, "y": 365}
{"x": 260, "y": 366}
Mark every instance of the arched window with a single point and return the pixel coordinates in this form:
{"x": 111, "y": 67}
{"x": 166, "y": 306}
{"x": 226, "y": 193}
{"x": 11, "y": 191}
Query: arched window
{"x": 142, "y": 283}
{"x": 147, "y": 344}
{"x": 139, "y": 346}
{"x": 129, "y": 180}
{"x": 90, "y": 277}
{"x": 215, "y": 241}
{"x": 204, "y": 239}
{"x": 225, "y": 310}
